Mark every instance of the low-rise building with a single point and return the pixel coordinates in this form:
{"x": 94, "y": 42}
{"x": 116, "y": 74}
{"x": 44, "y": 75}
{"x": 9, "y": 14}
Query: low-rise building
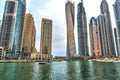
{"x": 2, "y": 53}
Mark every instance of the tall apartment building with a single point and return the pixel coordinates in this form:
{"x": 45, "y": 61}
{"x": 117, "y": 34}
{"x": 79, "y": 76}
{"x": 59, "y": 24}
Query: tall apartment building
{"x": 46, "y": 39}
{"x": 116, "y": 7}
{"x": 110, "y": 48}
{"x": 29, "y": 34}
{"x": 82, "y": 31}
{"x": 70, "y": 12}
{"x": 95, "y": 42}
{"x": 12, "y": 25}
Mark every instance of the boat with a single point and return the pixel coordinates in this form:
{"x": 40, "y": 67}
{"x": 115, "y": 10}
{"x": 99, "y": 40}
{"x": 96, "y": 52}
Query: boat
{"x": 42, "y": 62}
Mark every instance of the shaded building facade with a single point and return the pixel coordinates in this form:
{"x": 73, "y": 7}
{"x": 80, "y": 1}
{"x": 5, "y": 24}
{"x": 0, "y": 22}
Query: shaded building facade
{"x": 116, "y": 8}
{"x": 108, "y": 27}
{"x": 46, "y": 39}
{"x": 12, "y": 25}
{"x": 95, "y": 43}
{"x": 102, "y": 29}
{"x": 116, "y": 42}
{"x": 70, "y": 12}
{"x": 29, "y": 34}
{"x": 82, "y": 30}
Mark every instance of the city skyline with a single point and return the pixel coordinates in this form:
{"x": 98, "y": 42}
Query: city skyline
{"x": 47, "y": 10}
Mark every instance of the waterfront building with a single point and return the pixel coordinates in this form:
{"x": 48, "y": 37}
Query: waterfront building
{"x": 70, "y": 12}
{"x": 116, "y": 42}
{"x": 116, "y": 7}
{"x": 95, "y": 44}
{"x": 108, "y": 27}
{"x": 29, "y": 34}
{"x": 33, "y": 55}
{"x": 46, "y": 39}
{"x": 2, "y": 53}
{"x": 103, "y": 37}
{"x": 12, "y": 25}
{"x": 82, "y": 31}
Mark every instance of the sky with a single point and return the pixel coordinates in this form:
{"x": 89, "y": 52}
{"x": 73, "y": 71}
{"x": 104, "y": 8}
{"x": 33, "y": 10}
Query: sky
{"x": 55, "y": 10}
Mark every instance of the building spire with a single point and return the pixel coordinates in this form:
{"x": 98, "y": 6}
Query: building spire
{"x": 82, "y": 1}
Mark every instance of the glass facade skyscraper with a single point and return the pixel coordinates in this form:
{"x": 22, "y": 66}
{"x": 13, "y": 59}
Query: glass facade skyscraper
{"x": 108, "y": 27}
{"x": 95, "y": 42}
{"x": 82, "y": 31}
{"x": 102, "y": 29}
{"x": 116, "y": 7}
{"x": 70, "y": 12}
{"x": 12, "y": 25}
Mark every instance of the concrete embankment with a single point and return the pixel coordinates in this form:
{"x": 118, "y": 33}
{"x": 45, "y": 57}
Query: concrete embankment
{"x": 15, "y": 61}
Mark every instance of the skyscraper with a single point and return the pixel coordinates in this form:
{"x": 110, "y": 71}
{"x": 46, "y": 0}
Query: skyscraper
{"x": 71, "y": 49}
{"x": 116, "y": 7}
{"x": 102, "y": 29}
{"x": 29, "y": 34}
{"x": 109, "y": 36}
{"x": 95, "y": 45}
{"x": 82, "y": 31}
{"x": 46, "y": 39}
{"x": 12, "y": 25}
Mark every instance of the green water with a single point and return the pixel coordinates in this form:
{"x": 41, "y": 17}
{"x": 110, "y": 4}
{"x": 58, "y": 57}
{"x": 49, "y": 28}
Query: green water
{"x": 76, "y": 70}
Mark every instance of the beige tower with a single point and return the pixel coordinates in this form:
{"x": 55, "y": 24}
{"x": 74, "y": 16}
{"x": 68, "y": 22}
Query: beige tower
{"x": 29, "y": 34}
{"x": 70, "y": 12}
{"x": 95, "y": 43}
{"x": 46, "y": 39}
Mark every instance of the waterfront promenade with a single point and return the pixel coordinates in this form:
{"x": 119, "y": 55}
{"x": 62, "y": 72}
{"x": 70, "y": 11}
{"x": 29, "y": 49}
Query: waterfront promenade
{"x": 97, "y": 60}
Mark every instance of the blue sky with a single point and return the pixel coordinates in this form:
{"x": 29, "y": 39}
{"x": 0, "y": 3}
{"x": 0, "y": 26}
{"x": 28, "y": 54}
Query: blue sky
{"x": 55, "y": 10}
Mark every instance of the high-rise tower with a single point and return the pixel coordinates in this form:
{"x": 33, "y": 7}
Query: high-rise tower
{"x": 71, "y": 49}
{"x": 29, "y": 34}
{"x": 95, "y": 43}
{"x": 46, "y": 39}
{"x": 116, "y": 7}
{"x": 82, "y": 31}
{"x": 108, "y": 27}
{"x": 102, "y": 29}
{"x": 12, "y": 25}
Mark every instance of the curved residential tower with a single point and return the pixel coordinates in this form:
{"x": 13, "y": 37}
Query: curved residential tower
{"x": 71, "y": 50}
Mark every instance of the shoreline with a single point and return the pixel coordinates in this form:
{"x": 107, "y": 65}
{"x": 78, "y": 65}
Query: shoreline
{"x": 93, "y": 60}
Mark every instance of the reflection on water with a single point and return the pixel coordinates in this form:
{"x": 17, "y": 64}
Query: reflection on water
{"x": 85, "y": 71}
{"x": 45, "y": 72}
{"x": 74, "y": 70}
